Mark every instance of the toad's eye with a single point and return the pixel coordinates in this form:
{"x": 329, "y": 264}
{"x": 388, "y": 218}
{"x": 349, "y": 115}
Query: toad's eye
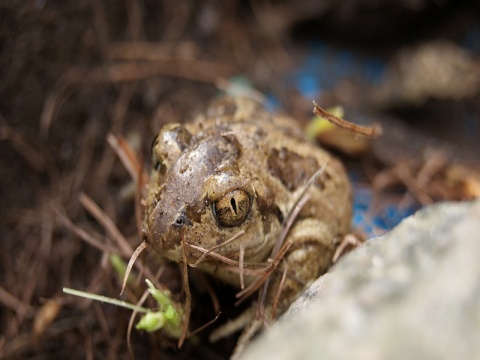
{"x": 233, "y": 208}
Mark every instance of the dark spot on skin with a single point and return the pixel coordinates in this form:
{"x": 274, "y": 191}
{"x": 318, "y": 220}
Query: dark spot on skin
{"x": 221, "y": 150}
{"x": 268, "y": 206}
{"x": 320, "y": 183}
{"x": 195, "y": 212}
{"x": 323, "y": 179}
{"x": 290, "y": 168}
{"x": 259, "y": 134}
{"x": 232, "y": 146}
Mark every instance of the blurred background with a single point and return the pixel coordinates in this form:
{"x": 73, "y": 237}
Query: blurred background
{"x": 75, "y": 71}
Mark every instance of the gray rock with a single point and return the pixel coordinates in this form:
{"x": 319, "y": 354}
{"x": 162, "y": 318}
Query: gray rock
{"x": 411, "y": 294}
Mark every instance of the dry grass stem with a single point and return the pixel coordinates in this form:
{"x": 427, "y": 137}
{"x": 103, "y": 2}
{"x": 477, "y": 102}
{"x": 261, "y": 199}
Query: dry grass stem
{"x": 209, "y": 251}
{"x": 140, "y": 302}
{"x": 82, "y": 234}
{"x": 348, "y": 240}
{"x": 188, "y": 296}
{"x": 128, "y": 157}
{"x": 131, "y": 262}
{"x": 278, "y": 293}
{"x": 249, "y": 290}
{"x": 107, "y": 223}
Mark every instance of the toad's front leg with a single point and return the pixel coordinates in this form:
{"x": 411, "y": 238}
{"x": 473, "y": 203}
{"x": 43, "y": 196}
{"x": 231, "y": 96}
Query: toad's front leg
{"x": 308, "y": 257}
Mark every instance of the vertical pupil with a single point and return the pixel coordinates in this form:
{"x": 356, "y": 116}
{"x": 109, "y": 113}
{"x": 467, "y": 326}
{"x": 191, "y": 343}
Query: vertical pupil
{"x": 234, "y": 205}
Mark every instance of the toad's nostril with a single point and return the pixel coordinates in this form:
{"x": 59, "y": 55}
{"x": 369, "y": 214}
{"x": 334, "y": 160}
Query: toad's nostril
{"x": 181, "y": 220}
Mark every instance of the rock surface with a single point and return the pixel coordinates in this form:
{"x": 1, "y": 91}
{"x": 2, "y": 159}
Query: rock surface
{"x": 411, "y": 294}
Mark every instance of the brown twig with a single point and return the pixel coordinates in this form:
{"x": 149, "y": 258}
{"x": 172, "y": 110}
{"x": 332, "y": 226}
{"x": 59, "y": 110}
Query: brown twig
{"x": 249, "y": 290}
{"x": 132, "y": 319}
{"x": 10, "y": 301}
{"x": 29, "y": 153}
{"x": 128, "y": 157}
{"x": 210, "y": 290}
{"x": 139, "y": 190}
{"x": 279, "y": 292}
{"x": 233, "y": 265}
{"x": 204, "y": 326}
{"x": 82, "y": 234}
{"x": 209, "y": 251}
{"x": 241, "y": 255}
{"x": 299, "y": 203}
{"x": 367, "y": 131}
{"x": 349, "y": 239}
{"x": 148, "y": 51}
{"x": 107, "y": 223}
{"x": 188, "y": 296}
{"x": 213, "y": 255}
